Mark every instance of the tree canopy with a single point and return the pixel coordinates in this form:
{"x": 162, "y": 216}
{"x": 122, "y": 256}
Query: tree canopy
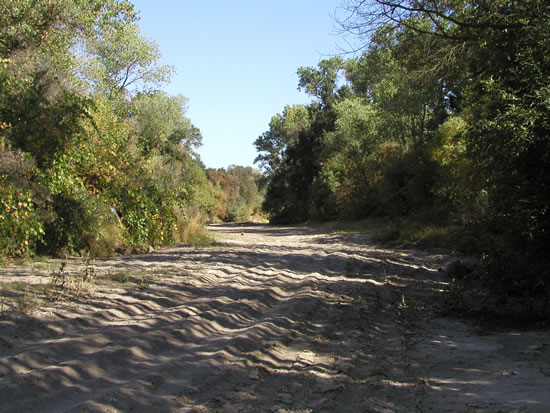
{"x": 93, "y": 156}
{"x": 442, "y": 116}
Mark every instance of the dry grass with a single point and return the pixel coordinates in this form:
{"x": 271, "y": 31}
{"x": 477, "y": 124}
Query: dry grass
{"x": 65, "y": 284}
{"x": 18, "y": 296}
{"x": 111, "y": 237}
{"x": 138, "y": 277}
{"x": 191, "y": 228}
{"x": 411, "y": 232}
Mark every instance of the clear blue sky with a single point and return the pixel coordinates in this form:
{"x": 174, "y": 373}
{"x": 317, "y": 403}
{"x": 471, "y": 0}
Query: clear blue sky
{"x": 236, "y": 62}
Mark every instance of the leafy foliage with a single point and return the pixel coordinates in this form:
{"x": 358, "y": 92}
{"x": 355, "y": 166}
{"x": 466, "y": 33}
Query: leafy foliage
{"x": 238, "y": 193}
{"x": 92, "y": 156}
{"x": 443, "y": 118}
{"x": 20, "y": 228}
{"x": 122, "y": 60}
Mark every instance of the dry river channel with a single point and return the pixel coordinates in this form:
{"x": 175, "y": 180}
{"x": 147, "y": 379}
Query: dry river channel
{"x": 270, "y": 319}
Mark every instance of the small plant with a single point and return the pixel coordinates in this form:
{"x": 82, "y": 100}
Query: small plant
{"x": 28, "y": 302}
{"x": 18, "y": 296}
{"x": 142, "y": 282}
{"x": 386, "y": 235}
{"x": 110, "y": 237}
{"x": 59, "y": 277}
{"x": 119, "y": 277}
{"x": 77, "y": 284}
{"x": 41, "y": 265}
{"x": 138, "y": 277}
{"x": 4, "y": 297}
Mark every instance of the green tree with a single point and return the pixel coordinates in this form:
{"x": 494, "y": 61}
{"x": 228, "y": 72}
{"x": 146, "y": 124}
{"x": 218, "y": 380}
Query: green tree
{"x": 80, "y": 115}
{"x": 123, "y": 61}
{"x": 56, "y": 25}
{"x": 492, "y": 59}
{"x": 349, "y": 151}
{"x": 43, "y": 111}
{"x": 161, "y": 123}
{"x": 322, "y": 82}
{"x": 293, "y": 147}
{"x": 284, "y": 130}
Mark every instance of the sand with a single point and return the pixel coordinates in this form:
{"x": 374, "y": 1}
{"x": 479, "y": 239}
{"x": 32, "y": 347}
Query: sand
{"x": 269, "y": 320}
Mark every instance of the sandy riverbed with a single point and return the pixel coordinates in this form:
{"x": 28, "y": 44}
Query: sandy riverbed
{"x": 269, "y": 320}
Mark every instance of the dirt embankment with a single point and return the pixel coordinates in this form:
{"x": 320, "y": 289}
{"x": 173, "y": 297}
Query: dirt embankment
{"x": 271, "y": 319}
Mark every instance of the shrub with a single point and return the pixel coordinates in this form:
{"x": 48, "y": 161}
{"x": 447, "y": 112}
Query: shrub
{"x": 190, "y": 227}
{"x": 20, "y": 227}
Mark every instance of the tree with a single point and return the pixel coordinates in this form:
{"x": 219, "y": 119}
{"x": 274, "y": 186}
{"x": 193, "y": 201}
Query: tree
{"x": 40, "y": 97}
{"x": 57, "y": 25}
{"x": 322, "y": 82}
{"x": 83, "y": 133}
{"x": 349, "y": 153}
{"x": 44, "y": 112}
{"x": 293, "y": 147}
{"x": 492, "y": 59}
{"x": 362, "y": 18}
{"x": 284, "y": 130}
{"x": 161, "y": 123}
{"x": 241, "y": 197}
{"x": 123, "y": 61}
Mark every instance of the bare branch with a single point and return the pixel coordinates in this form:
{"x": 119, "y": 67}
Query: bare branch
{"x": 364, "y": 17}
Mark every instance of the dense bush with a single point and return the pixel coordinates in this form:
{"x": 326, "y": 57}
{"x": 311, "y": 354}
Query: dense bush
{"x": 92, "y": 156}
